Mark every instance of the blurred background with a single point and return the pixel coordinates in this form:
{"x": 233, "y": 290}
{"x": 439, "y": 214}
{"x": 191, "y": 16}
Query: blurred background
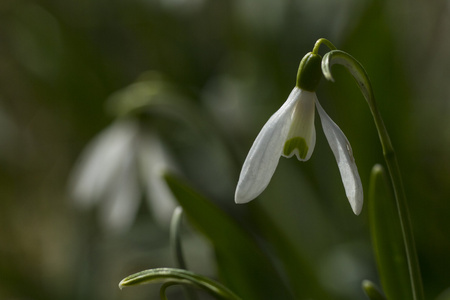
{"x": 98, "y": 98}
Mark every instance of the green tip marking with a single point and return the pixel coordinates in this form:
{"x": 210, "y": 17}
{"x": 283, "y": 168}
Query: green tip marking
{"x": 296, "y": 143}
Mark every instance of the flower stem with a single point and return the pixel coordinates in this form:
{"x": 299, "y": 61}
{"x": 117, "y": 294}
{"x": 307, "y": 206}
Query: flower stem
{"x": 320, "y": 42}
{"x": 358, "y": 72}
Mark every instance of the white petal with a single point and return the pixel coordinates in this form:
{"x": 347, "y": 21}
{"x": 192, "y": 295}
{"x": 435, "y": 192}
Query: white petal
{"x": 154, "y": 162}
{"x": 94, "y": 172}
{"x": 120, "y": 205}
{"x": 265, "y": 152}
{"x": 301, "y": 138}
{"x": 344, "y": 156}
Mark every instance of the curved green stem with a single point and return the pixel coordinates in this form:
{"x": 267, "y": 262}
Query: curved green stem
{"x": 320, "y": 42}
{"x": 162, "y": 290}
{"x": 362, "y": 79}
{"x": 170, "y": 276}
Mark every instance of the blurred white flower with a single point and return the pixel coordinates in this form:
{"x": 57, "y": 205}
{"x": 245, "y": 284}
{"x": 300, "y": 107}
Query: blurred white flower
{"x": 122, "y": 164}
{"x": 291, "y": 131}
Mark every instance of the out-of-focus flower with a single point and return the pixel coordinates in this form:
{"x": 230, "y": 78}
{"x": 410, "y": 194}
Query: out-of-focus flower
{"x": 119, "y": 166}
{"x": 290, "y": 131}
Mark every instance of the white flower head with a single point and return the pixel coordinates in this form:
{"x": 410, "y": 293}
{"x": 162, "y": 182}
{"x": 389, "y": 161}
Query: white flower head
{"x": 290, "y": 131}
{"x": 116, "y": 169}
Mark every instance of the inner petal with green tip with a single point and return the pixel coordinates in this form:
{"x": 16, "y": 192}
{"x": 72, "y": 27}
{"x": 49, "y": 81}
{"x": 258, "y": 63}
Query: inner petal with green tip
{"x": 301, "y": 138}
{"x": 297, "y": 144}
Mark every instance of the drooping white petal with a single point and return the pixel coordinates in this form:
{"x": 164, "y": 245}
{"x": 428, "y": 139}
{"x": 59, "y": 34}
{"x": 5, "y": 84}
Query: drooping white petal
{"x": 301, "y": 138}
{"x": 120, "y": 204}
{"x": 344, "y": 156}
{"x": 154, "y": 162}
{"x": 265, "y": 152}
{"x": 94, "y": 172}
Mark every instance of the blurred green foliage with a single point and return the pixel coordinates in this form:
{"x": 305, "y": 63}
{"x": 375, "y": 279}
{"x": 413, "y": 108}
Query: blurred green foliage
{"x": 224, "y": 68}
{"x": 387, "y": 238}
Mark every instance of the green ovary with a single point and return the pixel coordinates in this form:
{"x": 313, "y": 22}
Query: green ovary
{"x": 296, "y": 143}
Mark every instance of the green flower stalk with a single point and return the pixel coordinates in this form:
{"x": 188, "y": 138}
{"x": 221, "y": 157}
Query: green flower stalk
{"x": 362, "y": 79}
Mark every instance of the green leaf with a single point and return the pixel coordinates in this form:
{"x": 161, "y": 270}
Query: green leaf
{"x": 242, "y": 265}
{"x": 372, "y": 290}
{"x": 175, "y": 242}
{"x": 387, "y": 238}
{"x": 445, "y": 295}
{"x": 298, "y": 268}
{"x": 175, "y": 237}
{"x": 178, "y": 276}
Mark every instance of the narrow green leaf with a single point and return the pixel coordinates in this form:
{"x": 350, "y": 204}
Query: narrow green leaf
{"x": 445, "y": 295}
{"x": 175, "y": 242}
{"x": 178, "y": 276}
{"x": 175, "y": 238}
{"x": 242, "y": 265}
{"x": 372, "y": 291}
{"x": 299, "y": 270}
{"x": 387, "y": 238}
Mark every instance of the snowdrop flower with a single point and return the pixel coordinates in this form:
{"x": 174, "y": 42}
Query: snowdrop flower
{"x": 290, "y": 131}
{"x": 119, "y": 166}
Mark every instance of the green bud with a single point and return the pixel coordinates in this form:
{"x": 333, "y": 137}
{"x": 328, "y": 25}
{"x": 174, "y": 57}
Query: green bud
{"x": 309, "y": 72}
{"x": 372, "y": 291}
